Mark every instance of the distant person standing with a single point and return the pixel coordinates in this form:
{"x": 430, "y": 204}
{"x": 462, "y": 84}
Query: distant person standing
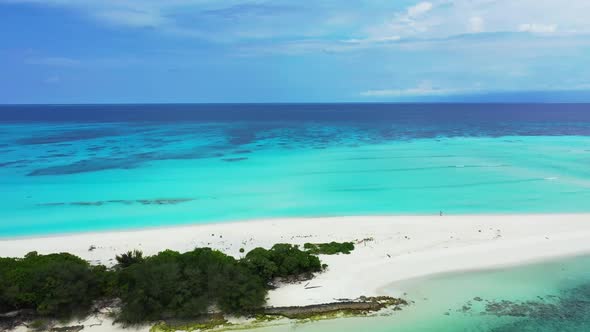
{"x": 440, "y": 213}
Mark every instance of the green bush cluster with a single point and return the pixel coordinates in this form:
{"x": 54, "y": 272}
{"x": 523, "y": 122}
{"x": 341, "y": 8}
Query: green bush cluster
{"x": 54, "y": 285}
{"x": 174, "y": 285}
{"x": 163, "y": 286}
{"x": 331, "y": 248}
{"x": 281, "y": 261}
{"x": 129, "y": 258}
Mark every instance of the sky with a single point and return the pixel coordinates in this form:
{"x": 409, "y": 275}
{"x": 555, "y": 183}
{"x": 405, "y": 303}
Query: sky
{"x": 160, "y": 51}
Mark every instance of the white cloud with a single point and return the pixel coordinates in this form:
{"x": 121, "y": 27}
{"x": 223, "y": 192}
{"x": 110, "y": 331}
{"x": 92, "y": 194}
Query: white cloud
{"x": 414, "y": 20}
{"x": 131, "y": 13}
{"x": 419, "y": 9}
{"x": 448, "y": 18}
{"x": 425, "y": 88}
{"x": 537, "y": 28}
{"x": 131, "y": 18}
{"x": 219, "y": 21}
{"x": 376, "y": 22}
{"x": 384, "y": 39}
{"x": 476, "y": 24}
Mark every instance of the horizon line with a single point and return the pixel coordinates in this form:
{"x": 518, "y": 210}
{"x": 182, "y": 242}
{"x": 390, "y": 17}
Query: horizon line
{"x": 305, "y": 103}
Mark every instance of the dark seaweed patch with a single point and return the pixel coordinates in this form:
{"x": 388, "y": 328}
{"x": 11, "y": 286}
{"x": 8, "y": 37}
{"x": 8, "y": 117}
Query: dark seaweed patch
{"x": 158, "y": 201}
{"x": 126, "y": 162}
{"x": 15, "y": 163}
{"x": 231, "y": 160}
{"x": 568, "y": 312}
{"x": 96, "y": 148}
{"x": 249, "y": 133}
{"x": 240, "y": 136}
{"x": 58, "y": 155}
{"x": 89, "y": 165}
{"x": 68, "y": 136}
{"x": 242, "y": 151}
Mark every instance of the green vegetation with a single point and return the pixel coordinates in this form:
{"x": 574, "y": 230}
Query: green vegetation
{"x": 38, "y": 325}
{"x": 361, "y": 307}
{"x": 281, "y": 261}
{"x": 331, "y": 248}
{"x": 174, "y": 285}
{"x": 129, "y": 258}
{"x": 208, "y": 324}
{"x": 169, "y": 285}
{"x": 56, "y": 285}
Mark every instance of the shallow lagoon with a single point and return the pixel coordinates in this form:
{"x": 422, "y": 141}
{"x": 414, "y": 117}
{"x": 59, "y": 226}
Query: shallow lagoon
{"x": 552, "y": 296}
{"x": 88, "y": 168}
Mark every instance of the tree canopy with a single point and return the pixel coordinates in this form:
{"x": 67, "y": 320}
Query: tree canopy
{"x": 281, "y": 261}
{"x": 56, "y": 284}
{"x": 177, "y": 285}
{"x": 167, "y": 285}
{"x": 331, "y": 248}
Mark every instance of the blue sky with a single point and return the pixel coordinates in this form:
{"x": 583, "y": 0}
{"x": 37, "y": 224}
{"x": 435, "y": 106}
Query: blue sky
{"x": 111, "y": 51}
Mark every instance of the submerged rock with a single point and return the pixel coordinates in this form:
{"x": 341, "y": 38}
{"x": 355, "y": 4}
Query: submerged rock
{"x": 75, "y": 328}
{"x": 361, "y": 306}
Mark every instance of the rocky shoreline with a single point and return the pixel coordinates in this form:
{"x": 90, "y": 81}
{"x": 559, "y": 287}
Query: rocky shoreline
{"x": 357, "y": 307}
{"x": 345, "y": 307}
{"x": 362, "y": 305}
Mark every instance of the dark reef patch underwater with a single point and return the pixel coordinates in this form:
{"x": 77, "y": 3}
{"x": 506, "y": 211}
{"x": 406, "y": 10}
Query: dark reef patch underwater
{"x": 568, "y": 311}
{"x": 160, "y": 130}
{"x": 249, "y": 161}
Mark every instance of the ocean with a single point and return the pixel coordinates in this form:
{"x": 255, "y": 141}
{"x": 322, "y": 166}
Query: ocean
{"x": 74, "y": 168}
{"x": 66, "y": 168}
{"x": 544, "y": 297}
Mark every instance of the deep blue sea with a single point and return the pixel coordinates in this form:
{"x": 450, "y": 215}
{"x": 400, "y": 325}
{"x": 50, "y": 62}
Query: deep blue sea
{"x": 66, "y": 168}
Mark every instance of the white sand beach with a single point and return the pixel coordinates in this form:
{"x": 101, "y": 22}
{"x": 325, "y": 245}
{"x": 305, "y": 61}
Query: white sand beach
{"x": 389, "y": 248}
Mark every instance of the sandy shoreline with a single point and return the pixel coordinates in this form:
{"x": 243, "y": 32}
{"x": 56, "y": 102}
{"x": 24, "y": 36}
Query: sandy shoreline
{"x": 390, "y": 249}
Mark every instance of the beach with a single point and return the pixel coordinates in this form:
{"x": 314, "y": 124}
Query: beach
{"x": 389, "y": 249}
{"x": 319, "y": 166}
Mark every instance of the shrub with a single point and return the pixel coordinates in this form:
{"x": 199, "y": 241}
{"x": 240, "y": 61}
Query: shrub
{"x": 56, "y": 285}
{"x": 164, "y": 286}
{"x": 281, "y": 261}
{"x": 174, "y": 285}
{"x": 331, "y": 248}
{"x": 129, "y": 258}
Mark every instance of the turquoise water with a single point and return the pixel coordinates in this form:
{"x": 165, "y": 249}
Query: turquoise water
{"x": 70, "y": 175}
{"x": 423, "y": 176}
{"x": 547, "y": 297}
{"x": 100, "y": 167}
